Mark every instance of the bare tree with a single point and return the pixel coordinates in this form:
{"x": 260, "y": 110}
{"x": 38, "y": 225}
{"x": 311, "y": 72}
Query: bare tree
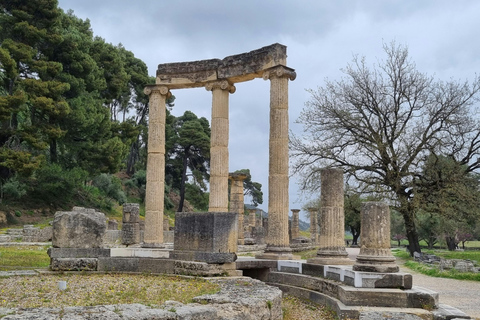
{"x": 380, "y": 123}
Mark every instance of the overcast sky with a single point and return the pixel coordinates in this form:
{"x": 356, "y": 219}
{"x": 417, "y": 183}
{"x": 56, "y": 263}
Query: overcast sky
{"x": 321, "y": 38}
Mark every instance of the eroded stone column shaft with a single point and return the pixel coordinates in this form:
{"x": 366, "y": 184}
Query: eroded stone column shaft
{"x": 295, "y": 223}
{"x": 277, "y": 239}
{"x": 154, "y": 195}
{"x": 237, "y": 201}
{"x": 332, "y": 219}
{"x": 313, "y": 225}
{"x": 375, "y": 254}
{"x": 218, "y": 201}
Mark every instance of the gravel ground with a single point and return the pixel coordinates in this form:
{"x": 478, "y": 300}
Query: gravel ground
{"x": 461, "y": 294}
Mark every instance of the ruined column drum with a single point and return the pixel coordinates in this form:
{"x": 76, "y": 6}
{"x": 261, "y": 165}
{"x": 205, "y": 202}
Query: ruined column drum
{"x": 332, "y": 219}
{"x": 237, "y": 202}
{"x": 295, "y": 223}
{"x": 375, "y": 254}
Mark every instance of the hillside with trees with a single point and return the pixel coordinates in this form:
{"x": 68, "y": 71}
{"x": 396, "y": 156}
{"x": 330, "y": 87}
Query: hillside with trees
{"x": 74, "y": 120}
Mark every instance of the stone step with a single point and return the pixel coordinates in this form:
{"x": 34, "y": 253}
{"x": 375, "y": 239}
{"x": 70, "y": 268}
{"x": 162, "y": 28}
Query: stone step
{"x": 350, "y": 296}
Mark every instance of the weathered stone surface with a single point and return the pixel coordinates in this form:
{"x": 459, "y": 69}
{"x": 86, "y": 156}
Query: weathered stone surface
{"x": 192, "y": 268}
{"x": 73, "y": 264}
{"x": 80, "y": 228}
{"x": 131, "y": 212}
{"x": 31, "y": 234}
{"x": 208, "y": 235}
{"x": 112, "y": 224}
{"x": 237, "y": 300}
{"x": 78, "y": 252}
{"x": 235, "y": 68}
{"x": 375, "y": 254}
{"x": 382, "y": 315}
{"x": 130, "y": 233}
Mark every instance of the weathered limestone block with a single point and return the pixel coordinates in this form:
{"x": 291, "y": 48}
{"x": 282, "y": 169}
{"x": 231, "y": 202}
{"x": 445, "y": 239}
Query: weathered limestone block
{"x": 73, "y": 264}
{"x": 79, "y": 228}
{"x": 131, "y": 212}
{"x": 130, "y": 233}
{"x": 208, "y": 236}
{"x": 112, "y": 224}
{"x": 295, "y": 233}
{"x": 35, "y": 234}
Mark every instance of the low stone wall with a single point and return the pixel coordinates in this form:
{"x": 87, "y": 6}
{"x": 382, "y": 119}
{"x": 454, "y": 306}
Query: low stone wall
{"x": 447, "y": 264}
{"x": 240, "y": 298}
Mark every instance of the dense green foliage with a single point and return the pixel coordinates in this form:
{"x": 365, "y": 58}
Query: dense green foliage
{"x": 74, "y": 118}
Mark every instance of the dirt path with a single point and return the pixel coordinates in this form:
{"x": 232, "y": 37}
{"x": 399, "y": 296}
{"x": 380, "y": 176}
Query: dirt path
{"x": 461, "y": 294}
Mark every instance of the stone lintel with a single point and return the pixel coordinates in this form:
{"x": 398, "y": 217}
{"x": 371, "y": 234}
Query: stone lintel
{"x": 236, "y": 68}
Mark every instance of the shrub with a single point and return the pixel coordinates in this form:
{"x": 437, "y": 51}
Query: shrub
{"x": 111, "y": 186}
{"x": 14, "y": 188}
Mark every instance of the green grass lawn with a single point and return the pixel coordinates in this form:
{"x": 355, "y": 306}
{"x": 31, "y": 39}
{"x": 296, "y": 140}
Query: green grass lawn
{"x": 435, "y": 271}
{"x": 23, "y": 257}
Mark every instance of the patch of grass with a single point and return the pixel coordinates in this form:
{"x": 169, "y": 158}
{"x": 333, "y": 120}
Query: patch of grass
{"x": 307, "y": 254}
{"x": 21, "y": 257}
{"x": 99, "y": 289}
{"x": 466, "y": 255}
{"x": 435, "y": 272}
{"x": 294, "y": 308}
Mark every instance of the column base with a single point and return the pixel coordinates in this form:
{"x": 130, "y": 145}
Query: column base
{"x": 331, "y": 257}
{"x": 375, "y": 264}
{"x": 153, "y": 245}
{"x": 276, "y": 253}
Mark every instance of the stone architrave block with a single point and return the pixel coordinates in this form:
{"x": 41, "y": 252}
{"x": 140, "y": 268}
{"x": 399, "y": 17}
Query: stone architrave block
{"x": 131, "y": 213}
{"x": 207, "y": 237}
{"x": 79, "y": 228}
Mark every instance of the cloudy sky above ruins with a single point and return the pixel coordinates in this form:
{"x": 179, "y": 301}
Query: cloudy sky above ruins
{"x": 321, "y": 38}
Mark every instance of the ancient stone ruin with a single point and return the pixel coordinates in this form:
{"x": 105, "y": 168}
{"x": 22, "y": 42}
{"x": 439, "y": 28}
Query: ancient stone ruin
{"x": 206, "y": 244}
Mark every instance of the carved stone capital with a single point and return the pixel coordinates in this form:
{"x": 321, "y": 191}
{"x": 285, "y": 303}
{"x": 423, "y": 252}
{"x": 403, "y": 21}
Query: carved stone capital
{"x": 237, "y": 176}
{"x": 221, "y": 84}
{"x": 163, "y": 90}
{"x": 280, "y": 72}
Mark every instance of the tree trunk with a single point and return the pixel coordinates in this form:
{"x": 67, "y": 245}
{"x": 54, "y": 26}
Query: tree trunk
{"x": 451, "y": 244}
{"x": 182, "y": 182}
{"x": 132, "y": 157}
{"x": 355, "y": 234}
{"x": 53, "y": 151}
{"x": 412, "y": 235}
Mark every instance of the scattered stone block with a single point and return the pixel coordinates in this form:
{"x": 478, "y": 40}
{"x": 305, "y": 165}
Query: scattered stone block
{"x": 79, "y": 228}
{"x": 205, "y": 237}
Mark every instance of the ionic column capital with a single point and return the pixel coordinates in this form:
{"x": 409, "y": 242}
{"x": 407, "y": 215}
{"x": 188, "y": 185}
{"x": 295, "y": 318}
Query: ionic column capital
{"x": 163, "y": 90}
{"x": 280, "y": 72}
{"x": 220, "y": 84}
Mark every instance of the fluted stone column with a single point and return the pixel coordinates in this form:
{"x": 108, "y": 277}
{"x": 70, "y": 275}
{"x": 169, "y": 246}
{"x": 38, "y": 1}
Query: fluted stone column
{"x": 313, "y": 225}
{"x": 219, "y": 145}
{"x": 295, "y": 223}
{"x": 375, "y": 254}
{"x": 332, "y": 219}
{"x": 252, "y": 218}
{"x": 278, "y": 246}
{"x": 155, "y": 188}
{"x": 237, "y": 202}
